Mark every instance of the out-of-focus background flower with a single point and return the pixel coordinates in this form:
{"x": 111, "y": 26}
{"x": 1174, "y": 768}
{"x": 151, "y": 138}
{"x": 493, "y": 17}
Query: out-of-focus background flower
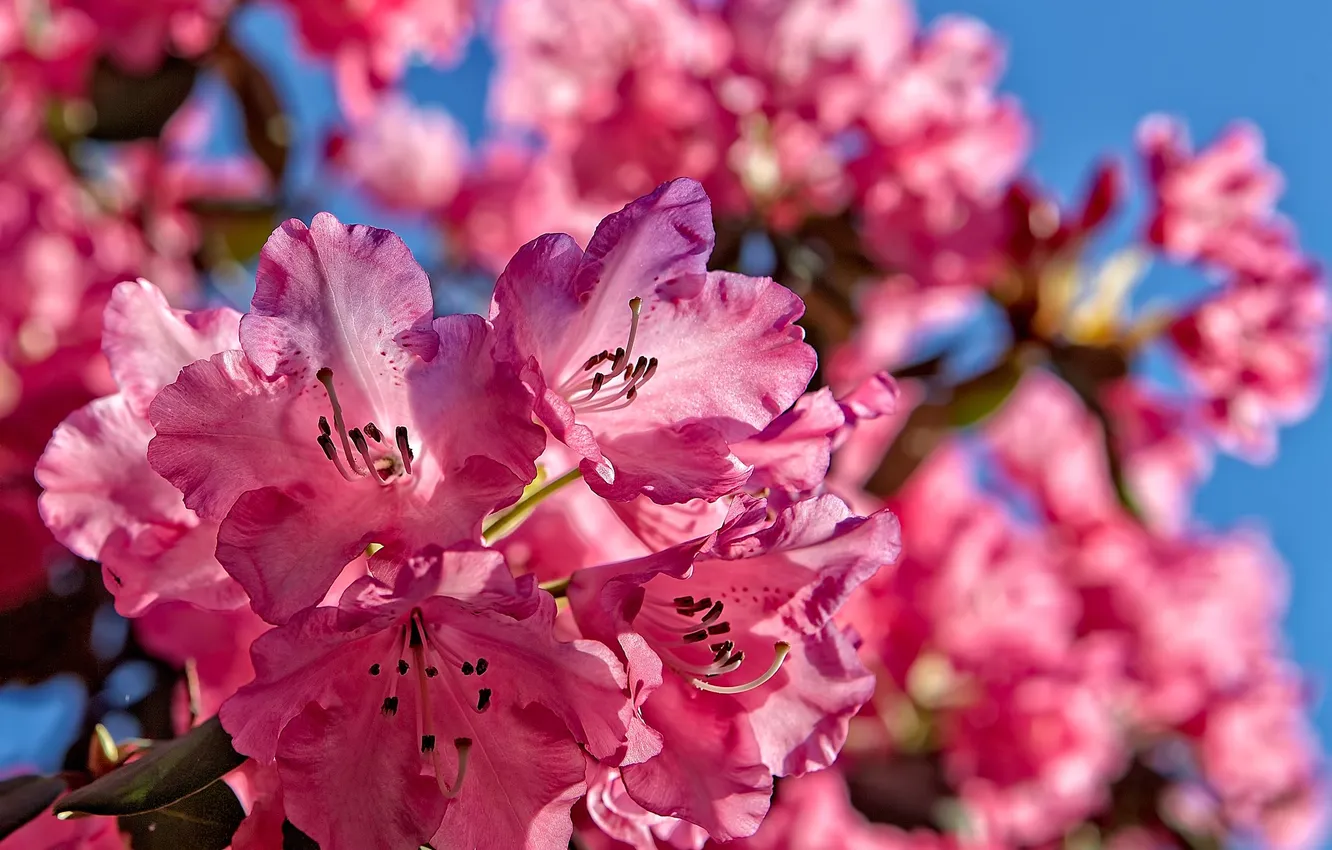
{"x": 168, "y": 145}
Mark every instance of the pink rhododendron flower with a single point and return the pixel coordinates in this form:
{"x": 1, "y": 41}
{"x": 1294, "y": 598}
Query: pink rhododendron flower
{"x": 1205, "y": 200}
{"x": 1256, "y": 350}
{"x": 445, "y": 690}
{"x": 617, "y": 815}
{"x": 1033, "y": 756}
{"x": 687, "y": 618}
{"x": 345, "y": 402}
{"x": 790, "y": 457}
{"x": 214, "y": 644}
{"x": 508, "y": 196}
{"x": 371, "y": 43}
{"x": 408, "y": 158}
{"x": 1257, "y": 750}
{"x": 138, "y": 35}
{"x": 642, "y": 361}
{"x": 562, "y": 60}
{"x": 101, "y": 498}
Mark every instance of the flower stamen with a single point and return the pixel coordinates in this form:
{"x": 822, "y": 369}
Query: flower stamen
{"x": 782, "y": 650}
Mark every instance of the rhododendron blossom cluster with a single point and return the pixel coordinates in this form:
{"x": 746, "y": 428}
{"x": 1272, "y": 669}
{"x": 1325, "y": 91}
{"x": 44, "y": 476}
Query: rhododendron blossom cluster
{"x": 801, "y": 473}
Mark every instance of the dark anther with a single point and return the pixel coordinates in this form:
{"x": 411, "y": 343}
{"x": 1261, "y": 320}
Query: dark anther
{"x": 695, "y": 637}
{"x": 402, "y": 667}
{"x": 358, "y": 440}
{"x": 432, "y": 672}
{"x": 374, "y": 669}
{"x": 617, "y": 360}
{"x": 427, "y": 743}
{"x": 467, "y": 668}
{"x": 738, "y": 658}
{"x": 404, "y": 447}
{"x": 372, "y": 430}
{"x": 713, "y": 613}
{"x": 326, "y": 443}
{"x": 595, "y": 359}
{"x": 415, "y": 639}
{"x": 324, "y": 375}
{"x": 722, "y": 653}
{"x": 684, "y": 601}
{"x": 482, "y": 666}
{"x": 483, "y": 699}
{"x": 390, "y": 706}
{"x": 703, "y": 604}
{"x": 724, "y": 646}
{"x": 323, "y": 426}
{"x": 597, "y": 380}
{"x": 719, "y": 628}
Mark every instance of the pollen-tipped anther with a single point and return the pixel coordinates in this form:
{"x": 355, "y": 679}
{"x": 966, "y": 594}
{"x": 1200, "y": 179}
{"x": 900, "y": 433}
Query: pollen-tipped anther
{"x": 404, "y": 448}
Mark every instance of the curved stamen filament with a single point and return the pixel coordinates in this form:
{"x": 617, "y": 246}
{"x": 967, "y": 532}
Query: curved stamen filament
{"x": 325, "y": 377}
{"x": 782, "y": 648}
{"x": 464, "y": 748}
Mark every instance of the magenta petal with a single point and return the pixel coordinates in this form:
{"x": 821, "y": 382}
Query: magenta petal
{"x": 792, "y": 454}
{"x": 731, "y": 355}
{"x": 821, "y": 687}
{"x": 524, "y": 775}
{"x": 469, "y": 406}
{"x": 351, "y": 778}
{"x": 294, "y": 665}
{"x": 223, "y": 429}
{"x": 167, "y": 564}
{"x": 661, "y": 237}
{"x": 97, "y": 478}
{"x": 668, "y": 465}
{"x": 286, "y": 549}
{"x": 710, "y": 771}
{"x": 349, "y": 298}
{"x": 535, "y": 303}
{"x": 148, "y": 343}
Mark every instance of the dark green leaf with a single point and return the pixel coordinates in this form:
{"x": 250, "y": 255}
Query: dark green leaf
{"x": 170, "y": 771}
{"x": 979, "y": 397}
{"x": 24, "y": 798}
{"x": 129, "y": 106}
{"x": 205, "y": 820}
{"x": 267, "y": 129}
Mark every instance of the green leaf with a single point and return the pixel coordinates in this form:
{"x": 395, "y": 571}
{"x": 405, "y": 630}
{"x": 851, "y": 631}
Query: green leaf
{"x": 205, "y": 820}
{"x": 131, "y": 106}
{"x": 24, "y": 798}
{"x": 168, "y": 772}
{"x": 979, "y": 397}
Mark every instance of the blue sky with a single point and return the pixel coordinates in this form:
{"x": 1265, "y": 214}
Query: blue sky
{"x": 1086, "y": 73}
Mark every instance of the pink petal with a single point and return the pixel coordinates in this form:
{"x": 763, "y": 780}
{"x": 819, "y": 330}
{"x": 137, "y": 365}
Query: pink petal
{"x": 148, "y": 343}
{"x": 668, "y": 465}
{"x": 222, "y": 429}
{"x": 468, "y": 405}
{"x": 730, "y": 354}
{"x": 352, "y": 779}
{"x": 161, "y": 564}
{"x": 97, "y": 478}
{"x": 710, "y": 772}
{"x": 347, "y": 298}
{"x": 524, "y": 776}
